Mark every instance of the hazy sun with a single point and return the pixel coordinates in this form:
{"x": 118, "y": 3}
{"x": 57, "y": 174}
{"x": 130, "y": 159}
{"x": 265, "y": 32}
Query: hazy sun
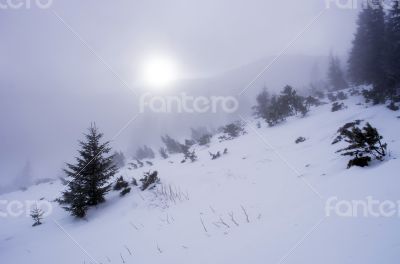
{"x": 159, "y": 71}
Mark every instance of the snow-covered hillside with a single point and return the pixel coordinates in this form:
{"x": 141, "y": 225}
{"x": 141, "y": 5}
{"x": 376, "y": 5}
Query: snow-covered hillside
{"x": 263, "y": 202}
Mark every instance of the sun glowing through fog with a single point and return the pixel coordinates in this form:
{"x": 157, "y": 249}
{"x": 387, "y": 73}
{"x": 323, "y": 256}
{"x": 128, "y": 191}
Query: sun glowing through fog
{"x": 159, "y": 71}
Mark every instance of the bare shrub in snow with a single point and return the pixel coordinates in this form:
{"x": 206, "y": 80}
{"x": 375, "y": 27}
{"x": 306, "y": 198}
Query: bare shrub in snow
{"x": 217, "y": 155}
{"x": 171, "y": 193}
{"x": 337, "y": 106}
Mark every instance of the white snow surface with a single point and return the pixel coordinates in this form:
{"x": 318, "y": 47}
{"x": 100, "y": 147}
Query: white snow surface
{"x": 282, "y": 187}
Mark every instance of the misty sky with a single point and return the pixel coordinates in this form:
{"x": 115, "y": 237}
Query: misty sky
{"x": 52, "y": 85}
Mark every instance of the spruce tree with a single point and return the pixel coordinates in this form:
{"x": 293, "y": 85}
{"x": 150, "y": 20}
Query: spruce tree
{"x": 392, "y": 48}
{"x": 172, "y": 145}
{"x": 163, "y": 153}
{"x": 144, "y": 152}
{"x": 263, "y": 102}
{"x": 336, "y": 77}
{"x": 89, "y": 177}
{"x": 366, "y": 56}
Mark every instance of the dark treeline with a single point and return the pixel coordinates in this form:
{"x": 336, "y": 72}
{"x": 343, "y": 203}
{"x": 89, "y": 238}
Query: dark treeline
{"x": 375, "y": 55}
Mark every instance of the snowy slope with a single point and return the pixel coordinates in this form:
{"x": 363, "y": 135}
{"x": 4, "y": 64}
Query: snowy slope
{"x": 281, "y": 186}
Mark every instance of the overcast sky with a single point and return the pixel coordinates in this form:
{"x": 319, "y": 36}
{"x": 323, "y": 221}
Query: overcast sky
{"x": 52, "y": 84}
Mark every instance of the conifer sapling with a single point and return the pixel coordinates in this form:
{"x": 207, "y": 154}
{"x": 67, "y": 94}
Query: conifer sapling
{"x": 37, "y": 215}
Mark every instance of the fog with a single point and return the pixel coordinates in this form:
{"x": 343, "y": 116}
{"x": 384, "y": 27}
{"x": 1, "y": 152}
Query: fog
{"x": 81, "y": 61}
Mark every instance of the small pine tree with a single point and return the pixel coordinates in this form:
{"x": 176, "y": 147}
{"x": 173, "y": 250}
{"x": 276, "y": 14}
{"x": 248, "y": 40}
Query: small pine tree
{"x": 125, "y": 191}
{"x": 120, "y": 184}
{"x": 197, "y": 133}
{"x": 189, "y": 142}
{"x": 337, "y": 106}
{"x": 89, "y": 176}
{"x": 263, "y": 102}
{"x": 144, "y": 152}
{"x": 233, "y": 130}
{"x": 37, "y": 215}
{"x": 275, "y": 115}
{"x": 364, "y": 144}
{"x": 276, "y": 109}
{"x": 149, "y": 180}
{"x": 288, "y": 100}
{"x": 312, "y": 101}
{"x": 171, "y": 144}
{"x": 188, "y": 155}
{"x": 163, "y": 153}
{"x": 204, "y": 140}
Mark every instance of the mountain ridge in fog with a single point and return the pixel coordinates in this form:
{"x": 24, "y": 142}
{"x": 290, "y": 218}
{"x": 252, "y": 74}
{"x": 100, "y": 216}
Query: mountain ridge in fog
{"x": 47, "y": 153}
